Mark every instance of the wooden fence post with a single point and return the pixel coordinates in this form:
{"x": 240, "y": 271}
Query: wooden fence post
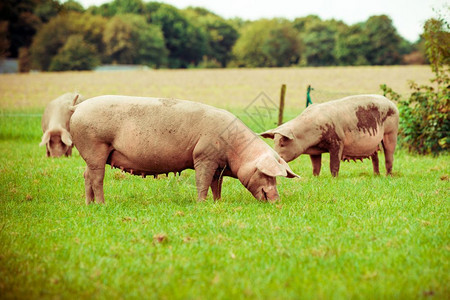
{"x": 281, "y": 108}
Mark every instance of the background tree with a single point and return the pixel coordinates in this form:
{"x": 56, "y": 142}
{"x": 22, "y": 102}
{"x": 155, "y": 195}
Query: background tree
{"x": 130, "y": 39}
{"x": 72, "y": 5}
{"x": 119, "y": 7}
{"x": 54, "y": 35}
{"x": 282, "y": 46}
{"x": 384, "y": 42}
{"x": 351, "y": 46}
{"x": 22, "y": 23}
{"x": 221, "y": 35}
{"x": 267, "y": 43}
{"x": 319, "y": 39}
{"x": 76, "y": 55}
{"x": 24, "y": 60}
{"x": 4, "y": 41}
{"x": 47, "y": 9}
{"x": 186, "y": 42}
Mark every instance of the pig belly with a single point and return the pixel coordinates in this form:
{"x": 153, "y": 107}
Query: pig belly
{"x": 149, "y": 164}
{"x": 361, "y": 144}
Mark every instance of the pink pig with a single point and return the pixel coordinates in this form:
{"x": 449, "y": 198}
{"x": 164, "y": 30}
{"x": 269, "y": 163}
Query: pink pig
{"x": 150, "y": 136}
{"x": 55, "y": 125}
{"x": 348, "y": 128}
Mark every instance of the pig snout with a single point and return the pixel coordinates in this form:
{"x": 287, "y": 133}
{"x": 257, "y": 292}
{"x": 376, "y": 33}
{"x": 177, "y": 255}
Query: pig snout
{"x": 269, "y": 194}
{"x": 56, "y": 148}
{"x": 265, "y": 192}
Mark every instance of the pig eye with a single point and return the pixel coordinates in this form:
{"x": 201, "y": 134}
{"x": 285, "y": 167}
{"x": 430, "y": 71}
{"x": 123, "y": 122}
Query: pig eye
{"x": 283, "y": 141}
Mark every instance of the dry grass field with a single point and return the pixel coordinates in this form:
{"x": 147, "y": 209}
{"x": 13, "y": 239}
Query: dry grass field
{"x": 228, "y": 88}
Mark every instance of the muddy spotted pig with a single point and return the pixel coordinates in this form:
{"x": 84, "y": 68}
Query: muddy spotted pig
{"x": 350, "y": 128}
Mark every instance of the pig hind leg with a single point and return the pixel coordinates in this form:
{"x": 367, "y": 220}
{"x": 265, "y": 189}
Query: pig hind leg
{"x": 389, "y": 142}
{"x": 95, "y": 157}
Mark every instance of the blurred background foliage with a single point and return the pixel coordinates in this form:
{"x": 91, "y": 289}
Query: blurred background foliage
{"x": 49, "y": 35}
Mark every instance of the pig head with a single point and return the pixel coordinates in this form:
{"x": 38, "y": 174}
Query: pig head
{"x": 349, "y": 129}
{"x": 55, "y": 125}
{"x": 151, "y": 136}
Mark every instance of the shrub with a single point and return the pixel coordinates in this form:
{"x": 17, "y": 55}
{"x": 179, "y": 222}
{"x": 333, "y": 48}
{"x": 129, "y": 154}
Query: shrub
{"x": 424, "y": 115}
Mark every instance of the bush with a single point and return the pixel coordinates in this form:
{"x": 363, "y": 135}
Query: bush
{"x": 424, "y": 116}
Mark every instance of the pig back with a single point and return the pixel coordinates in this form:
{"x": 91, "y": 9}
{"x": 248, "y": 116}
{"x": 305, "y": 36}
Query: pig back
{"x": 150, "y": 132}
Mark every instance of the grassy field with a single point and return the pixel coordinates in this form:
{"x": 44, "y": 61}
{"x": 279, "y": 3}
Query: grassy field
{"x": 357, "y": 236}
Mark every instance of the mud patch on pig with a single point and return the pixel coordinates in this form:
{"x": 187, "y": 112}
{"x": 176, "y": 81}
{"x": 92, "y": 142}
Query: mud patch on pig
{"x": 369, "y": 118}
{"x": 168, "y": 102}
{"x": 330, "y": 139}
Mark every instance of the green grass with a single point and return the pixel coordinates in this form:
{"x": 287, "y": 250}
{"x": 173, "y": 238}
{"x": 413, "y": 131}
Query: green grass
{"x": 357, "y": 236}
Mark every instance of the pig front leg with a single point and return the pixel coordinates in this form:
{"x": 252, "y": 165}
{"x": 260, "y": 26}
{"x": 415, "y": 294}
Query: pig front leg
{"x": 316, "y": 161}
{"x": 335, "y": 158}
{"x": 204, "y": 174}
{"x": 375, "y": 163}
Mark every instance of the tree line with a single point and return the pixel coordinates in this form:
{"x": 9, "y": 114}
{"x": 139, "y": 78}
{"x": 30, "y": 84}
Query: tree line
{"x": 51, "y": 36}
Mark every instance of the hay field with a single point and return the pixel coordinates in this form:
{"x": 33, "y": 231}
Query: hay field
{"x": 227, "y": 88}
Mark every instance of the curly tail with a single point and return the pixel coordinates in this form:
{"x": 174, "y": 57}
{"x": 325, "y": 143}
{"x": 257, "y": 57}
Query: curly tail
{"x": 74, "y": 105}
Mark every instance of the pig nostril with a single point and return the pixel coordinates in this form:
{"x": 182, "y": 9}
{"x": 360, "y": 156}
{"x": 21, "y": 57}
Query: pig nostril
{"x": 264, "y": 194}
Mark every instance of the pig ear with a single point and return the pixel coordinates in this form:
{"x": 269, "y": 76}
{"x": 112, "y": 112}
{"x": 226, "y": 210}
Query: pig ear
{"x": 66, "y": 137}
{"x": 290, "y": 173}
{"x": 269, "y": 134}
{"x": 284, "y": 131}
{"x": 269, "y": 166}
{"x": 45, "y": 138}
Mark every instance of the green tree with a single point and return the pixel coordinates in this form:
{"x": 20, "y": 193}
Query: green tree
{"x": 53, "y": 36}
{"x": 75, "y": 55}
{"x": 24, "y": 60}
{"x": 47, "y": 9}
{"x": 301, "y": 23}
{"x": 119, "y": 7}
{"x": 351, "y": 46}
{"x": 130, "y": 39}
{"x": 282, "y": 46}
{"x": 267, "y": 43}
{"x": 187, "y": 43}
{"x": 384, "y": 42}
{"x": 4, "y": 41}
{"x": 22, "y": 23}
{"x": 319, "y": 39}
{"x": 72, "y": 5}
{"x": 221, "y": 35}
